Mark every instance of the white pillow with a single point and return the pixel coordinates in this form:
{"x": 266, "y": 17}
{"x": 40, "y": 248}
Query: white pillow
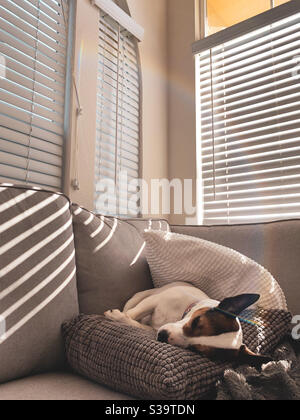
{"x": 218, "y": 271}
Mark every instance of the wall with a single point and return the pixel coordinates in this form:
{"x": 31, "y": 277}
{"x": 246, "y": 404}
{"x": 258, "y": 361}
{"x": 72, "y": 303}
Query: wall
{"x": 181, "y": 96}
{"x": 168, "y": 115}
{"x": 152, "y": 14}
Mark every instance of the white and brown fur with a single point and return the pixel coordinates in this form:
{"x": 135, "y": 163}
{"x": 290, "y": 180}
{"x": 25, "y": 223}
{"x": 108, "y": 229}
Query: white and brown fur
{"x": 203, "y": 329}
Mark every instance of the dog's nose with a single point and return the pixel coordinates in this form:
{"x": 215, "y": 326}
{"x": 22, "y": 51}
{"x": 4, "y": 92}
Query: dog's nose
{"x": 163, "y": 336}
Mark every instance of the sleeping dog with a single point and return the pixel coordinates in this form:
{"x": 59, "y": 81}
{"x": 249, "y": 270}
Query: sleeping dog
{"x": 186, "y": 317}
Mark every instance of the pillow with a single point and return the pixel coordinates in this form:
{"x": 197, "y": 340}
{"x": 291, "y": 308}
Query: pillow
{"x": 110, "y": 260}
{"x": 37, "y": 280}
{"x": 218, "y": 271}
{"x": 131, "y": 361}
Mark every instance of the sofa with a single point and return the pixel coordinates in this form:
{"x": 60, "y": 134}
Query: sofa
{"x": 41, "y": 285}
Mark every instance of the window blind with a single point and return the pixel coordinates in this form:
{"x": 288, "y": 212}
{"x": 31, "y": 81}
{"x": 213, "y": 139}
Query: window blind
{"x": 118, "y": 119}
{"x": 33, "y": 44}
{"x": 249, "y": 124}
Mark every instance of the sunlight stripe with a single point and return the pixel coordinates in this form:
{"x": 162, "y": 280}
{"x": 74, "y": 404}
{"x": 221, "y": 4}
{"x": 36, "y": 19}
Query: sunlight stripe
{"x": 33, "y": 230}
{"x": 94, "y": 234}
{"x": 77, "y": 211}
{"x": 35, "y": 311}
{"x": 38, "y": 288}
{"x": 89, "y": 220}
{"x": 16, "y": 200}
{"x": 105, "y": 242}
{"x": 138, "y": 255}
{"x": 34, "y": 249}
{"x": 27, "y": 213}
{"x": 35, "y": 269}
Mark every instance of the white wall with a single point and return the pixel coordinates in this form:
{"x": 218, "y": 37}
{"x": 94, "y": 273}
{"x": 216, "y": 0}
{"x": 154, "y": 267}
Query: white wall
{"x": 181, "y": 96}
{"x": 152, "y": 15}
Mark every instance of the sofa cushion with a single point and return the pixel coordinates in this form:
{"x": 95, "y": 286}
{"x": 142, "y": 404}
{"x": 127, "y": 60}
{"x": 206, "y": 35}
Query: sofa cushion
{"x": 130, "y": 360}
{"x": 57, "y": 386}
{"x": 37, "y": 279}
{"x": 274, "y": 245}
{"x": 218, "y": 271}
{"x": 110, "y": 260}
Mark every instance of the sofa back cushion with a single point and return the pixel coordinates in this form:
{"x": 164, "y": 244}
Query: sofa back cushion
{"x": 110, "y": 260}
{"x": 37, "y": 280}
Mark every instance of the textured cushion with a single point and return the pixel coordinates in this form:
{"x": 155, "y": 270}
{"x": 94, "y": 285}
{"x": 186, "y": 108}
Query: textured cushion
{"x": 111, "y": 265}
{"x": 130, "y": 360}
{"x": 218, "y": 271}
{"x": 37, "y": 280}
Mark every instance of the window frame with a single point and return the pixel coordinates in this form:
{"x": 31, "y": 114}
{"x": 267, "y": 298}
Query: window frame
{"x": 208, "y": 43}
{"x": 275, "y": 13}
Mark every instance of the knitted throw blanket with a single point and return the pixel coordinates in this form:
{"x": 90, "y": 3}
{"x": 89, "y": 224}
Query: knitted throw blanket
{"x": 279, "y": 380}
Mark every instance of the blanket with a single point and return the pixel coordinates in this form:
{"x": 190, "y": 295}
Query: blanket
{"x": 278, "y": 380}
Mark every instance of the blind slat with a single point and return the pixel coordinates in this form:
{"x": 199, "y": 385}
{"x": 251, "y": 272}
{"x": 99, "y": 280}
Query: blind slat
{"x": 24, "y": 26}
{"x": 12, "y": 48}
{"x": 33, "y": 44}
{"x": 28, "y": 44}
{"x": 31, "y": 8}
{"x": 49, "y": 150}
{"x": 118, "y": 112}
{"x": 250, "y": 125}
{"x": 32, "y": 19}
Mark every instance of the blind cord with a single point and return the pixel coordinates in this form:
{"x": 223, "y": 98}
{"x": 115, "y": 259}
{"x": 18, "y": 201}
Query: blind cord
{"x": 117, "y": 121}
{"x": 33, "y": 93}
{"x": 213, "y": 121}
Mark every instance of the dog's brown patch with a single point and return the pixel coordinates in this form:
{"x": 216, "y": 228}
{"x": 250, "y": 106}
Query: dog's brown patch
{"x": 206, "y": 322}
{"x": 240, "y": 356}
{"x": 221, "y": 355}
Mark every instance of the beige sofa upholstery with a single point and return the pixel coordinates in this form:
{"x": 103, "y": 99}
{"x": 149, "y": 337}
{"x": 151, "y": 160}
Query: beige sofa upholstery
{"x": 57, "y": 386}
{"x": 274, "y": 245}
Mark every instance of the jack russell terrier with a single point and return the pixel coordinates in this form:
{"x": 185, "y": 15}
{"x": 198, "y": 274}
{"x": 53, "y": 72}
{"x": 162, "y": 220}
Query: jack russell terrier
{"x": 186, "y": 317}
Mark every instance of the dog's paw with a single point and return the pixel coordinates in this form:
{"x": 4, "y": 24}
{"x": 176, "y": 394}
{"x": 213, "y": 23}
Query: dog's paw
{"x": 116, "y": 315}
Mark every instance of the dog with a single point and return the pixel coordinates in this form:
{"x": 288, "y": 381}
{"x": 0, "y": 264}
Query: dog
{"x": 184, "y": 316}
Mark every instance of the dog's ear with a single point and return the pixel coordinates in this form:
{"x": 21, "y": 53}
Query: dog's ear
{"x": 246, "y": 356}
{"x": 236, "y": 305}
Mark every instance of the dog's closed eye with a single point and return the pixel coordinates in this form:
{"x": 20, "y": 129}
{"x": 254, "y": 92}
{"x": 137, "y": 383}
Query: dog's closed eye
{"x": 195, "y": 322}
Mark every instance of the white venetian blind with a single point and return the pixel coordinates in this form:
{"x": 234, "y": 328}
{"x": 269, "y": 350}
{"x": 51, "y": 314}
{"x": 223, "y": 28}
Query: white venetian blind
{"x": 118, "y": 118}
{"x": 249, "y": 111}
{"x": 33, "y": 43}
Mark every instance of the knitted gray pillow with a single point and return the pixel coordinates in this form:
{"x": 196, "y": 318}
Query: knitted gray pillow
{"x": 130, "y": 360}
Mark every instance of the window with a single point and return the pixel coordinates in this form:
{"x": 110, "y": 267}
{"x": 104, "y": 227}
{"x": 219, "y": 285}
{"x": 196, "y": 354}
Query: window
{"x": 33, "y": 47}
{"x": 117, "y": 166}
{"x": 248, "y": 116}
{"x": 222, "y": 14}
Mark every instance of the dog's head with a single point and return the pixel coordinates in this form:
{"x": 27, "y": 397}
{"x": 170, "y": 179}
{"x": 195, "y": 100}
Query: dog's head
{"x": 214, "y": 331}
